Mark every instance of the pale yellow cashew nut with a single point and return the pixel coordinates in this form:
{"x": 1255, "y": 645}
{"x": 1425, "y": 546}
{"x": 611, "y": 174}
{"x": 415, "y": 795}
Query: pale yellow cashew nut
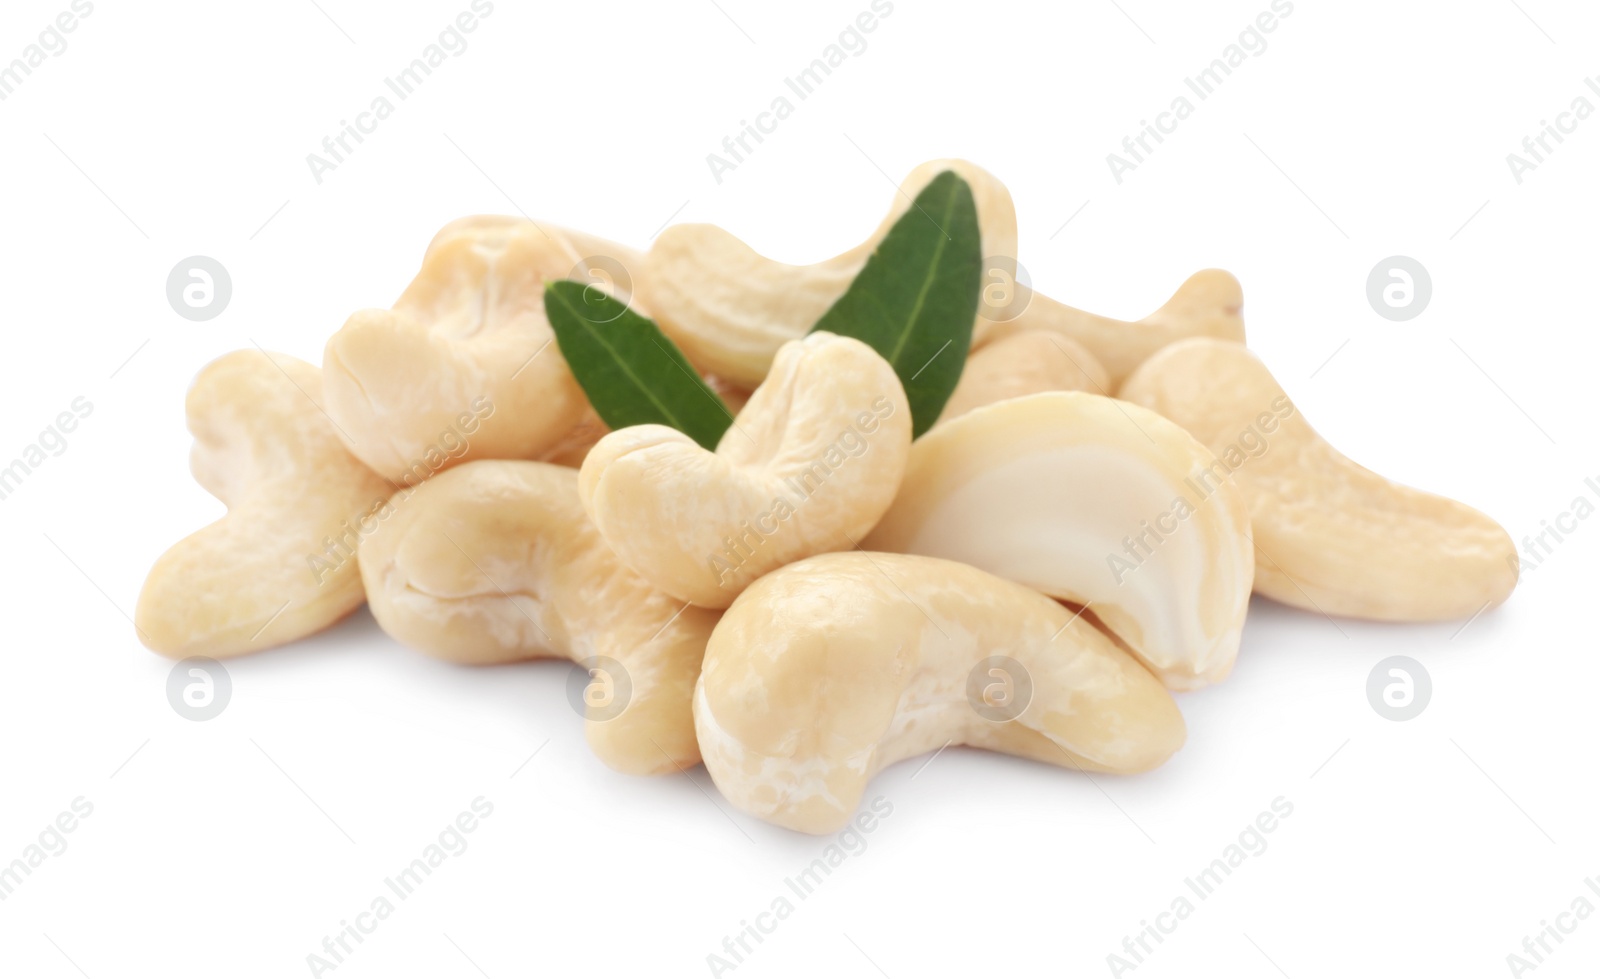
{"x": 465, "y": 365}
{"x": 1092, "y": 501}
{"x": 810, "y": 465}
{"x": 494, "y": 562}
{"x": 1031, "y": 362}
{"x": 572, "y": 448}
{"x": 827, "y": 671}
{"x": 282, "y": 564}
{"x": 1208, "y": 304}
{"x": 1333, "y": 537}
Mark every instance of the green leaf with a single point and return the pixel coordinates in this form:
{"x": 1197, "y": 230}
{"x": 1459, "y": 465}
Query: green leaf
{"x": 915, "y": 299}
{"x": 631, "y": 372}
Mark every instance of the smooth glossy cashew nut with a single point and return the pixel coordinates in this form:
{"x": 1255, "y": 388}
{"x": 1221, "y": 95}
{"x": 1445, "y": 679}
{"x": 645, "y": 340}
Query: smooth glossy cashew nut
{"x": 494, "y": 562}
{"x": 1208, "y": 304}
{"x": 1095, "y": 502}
{"x": 730, "y": 308}
{"x": 825, "y": 672}
{"x": 465, "y": 365}
{"x": 282, "y": 564}
{"x": 810, "y": 465}
{"x": 1025, "y": 363}
{"x": 1333, "y": 537}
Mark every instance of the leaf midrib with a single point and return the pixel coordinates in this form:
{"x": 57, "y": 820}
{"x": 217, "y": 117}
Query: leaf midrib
{"x": 616, "y": 357}
{"x": 928, "y": 278}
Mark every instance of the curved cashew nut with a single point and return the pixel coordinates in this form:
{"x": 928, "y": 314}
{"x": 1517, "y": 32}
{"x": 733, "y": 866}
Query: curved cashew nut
{"x": 826, "y": 672}
{"x": 494, "y": 561}
{"x": 1024, "y": 363}
{"x": 729, "y": 308}
{"x": 1334, "y": 537}
{"x": 465, "y": 365}
{"x": 1095, "y": 502}
{"x": 1208, "y": 304}
{"x": 281, "y": 565}
{"x": 811, "y": 464}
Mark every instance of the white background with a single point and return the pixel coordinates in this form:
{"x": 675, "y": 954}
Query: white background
{"x": 1366, "y": 129}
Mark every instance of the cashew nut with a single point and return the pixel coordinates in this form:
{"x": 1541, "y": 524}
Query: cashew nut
{"x": 1095, "y": 502}
{"x": 573, "y": 447}
{"x": 1024, "y": 363}
{"x": 282, "y": 564}
{"x": 465, "y": 365}
{"x": 827, "y": 671}
{"x": 624, "y": 261}
{"x": 1333, "y": 537}
{"x": 494, "y": 561}
{"x": 729, "y": 308}
{"x": 1208, "y": 304}
{"x": 809, "y": 466}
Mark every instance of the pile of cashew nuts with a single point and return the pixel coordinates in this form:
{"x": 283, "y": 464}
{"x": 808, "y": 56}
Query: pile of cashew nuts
{"x": 822, "y": 596}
